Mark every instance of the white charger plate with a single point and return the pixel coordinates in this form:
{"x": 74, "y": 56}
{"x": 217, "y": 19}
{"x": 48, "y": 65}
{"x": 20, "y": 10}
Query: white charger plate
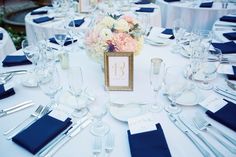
{"x": 123, "y": 113}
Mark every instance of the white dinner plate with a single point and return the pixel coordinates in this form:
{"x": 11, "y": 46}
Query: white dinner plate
{"x": 125, "y": 112}
{"x": 189, "y": 98}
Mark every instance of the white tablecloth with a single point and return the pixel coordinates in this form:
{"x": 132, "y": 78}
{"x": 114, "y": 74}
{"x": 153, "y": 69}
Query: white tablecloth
{"x": 193, "y": 17}
{"x": 47, "y": 29}
{"x": 6, "y": 44}
{"x": 81, "y": 145}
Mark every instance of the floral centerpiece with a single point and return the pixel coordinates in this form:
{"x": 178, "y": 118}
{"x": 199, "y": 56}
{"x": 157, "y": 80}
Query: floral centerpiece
{"x": 114, "y": 33}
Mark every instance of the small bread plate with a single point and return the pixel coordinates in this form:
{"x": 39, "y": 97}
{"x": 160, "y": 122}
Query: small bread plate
{"x": 124, "y": 112}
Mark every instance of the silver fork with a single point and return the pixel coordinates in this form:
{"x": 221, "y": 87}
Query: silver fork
{"x": 202, "y": 124}
{"x": 109, "y": 143}
{"x": 44, "y": 111}
{"x": 97, "y": 146}
{"x": 34, "y": 114}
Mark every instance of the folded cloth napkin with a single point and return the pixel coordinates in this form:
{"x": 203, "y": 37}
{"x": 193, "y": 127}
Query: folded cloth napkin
{"x": 39, "y": 12}
{"x": 77, "y": 23}
{"x": 206, "y": 5}
{"x": 143, "y": 2}
{"x": 171, "y": 0}
{"x": 15, "y": 60}
{"x": 226, "y": 48}
{"x": 149, "y": 144}
{"x": 230, "y": 36}
{"x": 232, "y": 77}
{"x": 40, "y": 133}
{"x": 67, "y": 42}
{"x": 1, "y": 36}
{"x": 146, "y": 10}
{"x": 225, "y": 115}
{"x": 228, "y": 18}
{"x": 168, "y": 31}
{"x": 43, "y": 19}
{"x": 5, "y": 93}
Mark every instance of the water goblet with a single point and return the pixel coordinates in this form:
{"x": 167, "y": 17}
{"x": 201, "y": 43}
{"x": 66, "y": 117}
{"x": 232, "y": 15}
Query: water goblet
{"x": 178, "y": 32}
{"x": 157, "y": 72}
{"x": 210, "y": 65}
{"x": 75, "y": 81}
{"x": 49, "y": 82}
{"x": 175, "y": 85}
{"x": 98, "y": 111}
{"x": 32, "y": 53}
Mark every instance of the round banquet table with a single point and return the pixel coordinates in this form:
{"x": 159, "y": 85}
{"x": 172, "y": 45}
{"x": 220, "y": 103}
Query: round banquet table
{"x": 81, "y": 145}
{"x": 193, "y": 16}
{"x": 6, "y": 44}
{"x": 47, "y": 29}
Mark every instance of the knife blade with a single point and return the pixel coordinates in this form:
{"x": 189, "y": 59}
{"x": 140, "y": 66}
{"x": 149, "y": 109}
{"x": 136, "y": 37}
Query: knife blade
{"x": 16, "y": 106}
{"x": 226, "y": 25}
{"x": 14, "y": 71}
{"x": 184, "y": 129}
{"x": 203, "y": 139}
{"x": 224, "y": 94}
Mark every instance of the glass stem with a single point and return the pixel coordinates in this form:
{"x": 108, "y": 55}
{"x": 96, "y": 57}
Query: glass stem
{"x": 155, "y": 98}
{"x": 173, "y": 103}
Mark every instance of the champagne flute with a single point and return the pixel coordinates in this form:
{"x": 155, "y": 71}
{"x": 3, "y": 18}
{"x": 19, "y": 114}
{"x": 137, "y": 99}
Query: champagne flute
{"x": 157, "y": 71}
{"x": 210, "y": 65}
{"x": 75, "y": 81}
{"x": 98, "y": 111}
{"x": 175, "y": 86}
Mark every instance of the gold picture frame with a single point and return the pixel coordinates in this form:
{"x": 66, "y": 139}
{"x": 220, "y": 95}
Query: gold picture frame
{"x": 119, "y": 71}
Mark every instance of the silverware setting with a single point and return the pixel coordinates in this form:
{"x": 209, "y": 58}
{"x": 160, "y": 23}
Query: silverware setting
{"x": 18, "y": 107}
{"x": 184, "y": 129}
{"x": 224, "y": 94}
{"x": 38, "y": 113}
{"x": 15, "y": 72}
{"x": 52, "y": 148}
{"x": 226, "y": 25}
{"x": 202, "y": 126}
{"x": 225, "y": 29}
{"x": 117, "y": 104}
{"x": 202, "y": 138}
{"x": 231, "y": 84}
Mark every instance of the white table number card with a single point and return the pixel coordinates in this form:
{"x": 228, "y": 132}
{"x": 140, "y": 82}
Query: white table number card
{"x": 118, "y": 70}
{"x": 141, "y": 124}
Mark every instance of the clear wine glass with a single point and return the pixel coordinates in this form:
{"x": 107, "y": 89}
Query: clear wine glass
{"x": 75, "y": 81}
{"x": 56, "y": 5}
{"x": 210, "y": 66}
{"x": 175, "y": 84}
{"x": 32, "y": 53}
{"x": 178, "y": 32}
{"x": 157, "y": 72}
{"x": 49, "y": 82}
{"x": 98, "y": 111}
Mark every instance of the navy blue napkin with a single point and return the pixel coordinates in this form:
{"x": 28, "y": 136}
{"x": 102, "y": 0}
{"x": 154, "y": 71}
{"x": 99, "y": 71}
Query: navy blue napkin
{"x": 77, "y": 23}
{"x": 172, "y": 0}
{"x": 39, "y": 12}
{"x": 43, "y": 19}
{"x": 206, "y": 5}
{"x": 67, "y": 42}
{"x": 40, "y": 133}
{"x": 230, "y": 35}
{"x": 149, "y": 144}
{"x": 15, "y": 60}
{"x": 5, "y": 93}
{"x": 226, "y": 48}
{"x": 1, "y": 36}
{"x": 143, "y": 2}
{"x": 232, "y": 77}
{"x": 228, "y": 18}
{"x": 225, "y": 115}
{"x": 168, "y": 31}
{"x": 146, "y": 10}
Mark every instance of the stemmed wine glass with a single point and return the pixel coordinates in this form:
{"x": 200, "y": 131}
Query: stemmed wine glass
{"x": 32, "y": 53}
{"x": 157, "y": 71}
{"x": 175, "y": 85}
{"x": 178, "y": 32}
{"x": 98, "y": 111}
{"x": 49, "y": 82}
{"x": 210, "y": 65}
{"x": 75, "y": 81}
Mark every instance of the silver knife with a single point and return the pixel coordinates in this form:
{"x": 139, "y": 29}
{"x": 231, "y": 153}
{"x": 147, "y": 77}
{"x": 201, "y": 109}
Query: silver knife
{"x": 67, "y": 139}
{"x": 4, "y": 113}
{"x": 230, "y": 92}
{"x": 14, "y": 71}
{"x": 197, "y": 133}
{"x": 184, "y": 129}
{"x": 226, "y": 25}
{"x": 224, "y": 94}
